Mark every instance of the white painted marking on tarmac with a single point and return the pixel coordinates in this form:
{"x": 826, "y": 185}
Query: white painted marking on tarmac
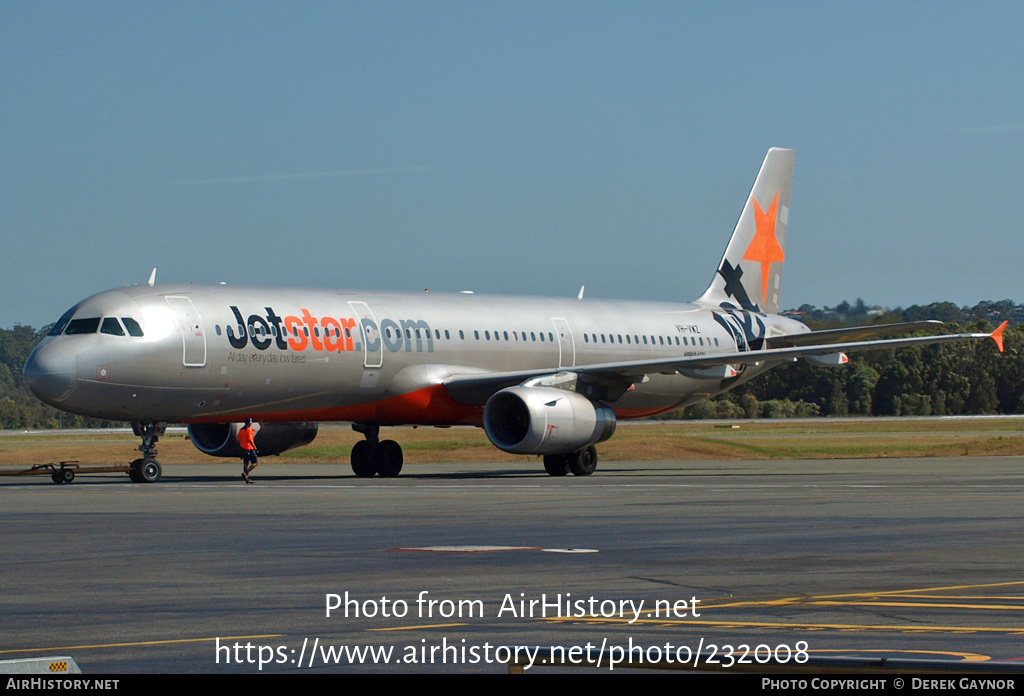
{"x": 470, "y": 548}
{"x": 478, "y": 548}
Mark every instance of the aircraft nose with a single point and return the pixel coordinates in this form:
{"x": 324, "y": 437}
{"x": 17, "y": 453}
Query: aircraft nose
{"x": 51, "y": 372}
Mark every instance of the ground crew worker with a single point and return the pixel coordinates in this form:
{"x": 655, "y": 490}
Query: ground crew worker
{"x": 250, "y": 457}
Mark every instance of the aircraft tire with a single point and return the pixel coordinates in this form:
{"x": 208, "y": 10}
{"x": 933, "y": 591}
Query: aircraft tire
{"x": 387, "y": 458}
{"x": 556, "y": 464}
{"x": 67, "y": 475}
{"x": 584, "y": 462}
{"x": 56, "y": 477}
{"x": 150, "y": 471}
{"x": 362, "y": 462}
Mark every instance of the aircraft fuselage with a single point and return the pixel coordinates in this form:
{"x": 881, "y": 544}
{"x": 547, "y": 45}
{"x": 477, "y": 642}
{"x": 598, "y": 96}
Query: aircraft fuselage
{"x": 217, "y": 354}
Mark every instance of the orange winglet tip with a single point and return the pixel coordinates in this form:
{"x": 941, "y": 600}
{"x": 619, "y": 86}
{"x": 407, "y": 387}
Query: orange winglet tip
{"x": 997, "y": 335}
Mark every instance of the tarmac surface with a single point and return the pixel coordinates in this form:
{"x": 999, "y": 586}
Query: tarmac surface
{"x": 450, "y": 566}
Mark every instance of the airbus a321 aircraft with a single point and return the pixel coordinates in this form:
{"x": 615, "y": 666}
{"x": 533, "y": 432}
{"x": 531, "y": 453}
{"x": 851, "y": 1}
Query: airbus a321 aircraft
{"x": 542, "y": 376}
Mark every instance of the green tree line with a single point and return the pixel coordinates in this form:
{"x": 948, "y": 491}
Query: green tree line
{"x": 946, "y": 379}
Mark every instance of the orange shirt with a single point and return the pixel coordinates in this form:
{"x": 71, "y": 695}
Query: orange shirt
{"x": 245, "y": 439}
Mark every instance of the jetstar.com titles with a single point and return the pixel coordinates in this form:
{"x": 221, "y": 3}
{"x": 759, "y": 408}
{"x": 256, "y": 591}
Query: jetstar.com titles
{"x": 309, "y": 332}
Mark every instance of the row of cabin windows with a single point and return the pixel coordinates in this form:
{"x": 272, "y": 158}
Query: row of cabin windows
{"x": 129, "y": 326}
{"x": 260, "y": 331}
{"x": 661, "y": 340}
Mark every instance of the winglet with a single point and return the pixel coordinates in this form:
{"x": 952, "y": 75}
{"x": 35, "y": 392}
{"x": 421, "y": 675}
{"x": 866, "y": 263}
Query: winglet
{"x": 997, "y": 335}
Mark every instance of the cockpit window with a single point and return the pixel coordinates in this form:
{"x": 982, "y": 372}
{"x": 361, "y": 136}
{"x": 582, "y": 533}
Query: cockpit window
{"x": 82, "y": 326}
{"x": 62, "y": 323}
{"x": 133, "y": 327}
{"x": 111, "y": 326}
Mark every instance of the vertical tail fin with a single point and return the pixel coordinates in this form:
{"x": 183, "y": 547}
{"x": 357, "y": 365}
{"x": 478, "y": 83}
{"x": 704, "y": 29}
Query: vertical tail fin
{"x": 750, "y": 274}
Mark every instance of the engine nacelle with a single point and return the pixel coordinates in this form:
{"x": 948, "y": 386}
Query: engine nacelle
{"x": 221, "y": 439}
{"x": 545, "y": 420}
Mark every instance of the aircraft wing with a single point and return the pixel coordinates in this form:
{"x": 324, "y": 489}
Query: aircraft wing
{"x": 856, "y": 333}
{"x": 615, "y": 378}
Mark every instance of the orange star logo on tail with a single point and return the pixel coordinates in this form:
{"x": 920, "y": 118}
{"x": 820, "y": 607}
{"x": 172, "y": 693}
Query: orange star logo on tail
{"x": 764, "y": 247}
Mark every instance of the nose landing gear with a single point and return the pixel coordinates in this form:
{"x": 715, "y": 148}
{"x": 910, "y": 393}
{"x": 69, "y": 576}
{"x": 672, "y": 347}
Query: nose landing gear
{"x": 147, "y": 469}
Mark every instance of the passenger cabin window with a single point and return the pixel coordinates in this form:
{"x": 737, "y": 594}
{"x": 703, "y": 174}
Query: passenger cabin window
{"x": 111, "y": 326}
{"x": 82, "y": 326}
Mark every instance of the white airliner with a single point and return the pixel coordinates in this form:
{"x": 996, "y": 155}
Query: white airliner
{"x": 542, "y": 376}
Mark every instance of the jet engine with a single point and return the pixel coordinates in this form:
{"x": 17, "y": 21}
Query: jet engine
{"x": 221, "y": 439}
{"x": 545, "y": 420}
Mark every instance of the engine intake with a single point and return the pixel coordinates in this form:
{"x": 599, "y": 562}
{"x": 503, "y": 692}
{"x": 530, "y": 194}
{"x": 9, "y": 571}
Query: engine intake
{"x": 221, "y": 439}
{"x": 545, "y": 420}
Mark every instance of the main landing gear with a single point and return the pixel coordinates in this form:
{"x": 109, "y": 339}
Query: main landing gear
{"x": 373, "y": 456}
{"x": 581, "y": 463}
{"x": 147, "y": 469}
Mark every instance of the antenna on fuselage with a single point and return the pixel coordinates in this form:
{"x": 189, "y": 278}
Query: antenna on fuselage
{"x": 580, "y": 296}
{"x": 152, "y": 279}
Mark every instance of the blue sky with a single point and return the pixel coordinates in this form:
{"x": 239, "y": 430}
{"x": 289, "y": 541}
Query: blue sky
{"x": 506, "y": 147}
